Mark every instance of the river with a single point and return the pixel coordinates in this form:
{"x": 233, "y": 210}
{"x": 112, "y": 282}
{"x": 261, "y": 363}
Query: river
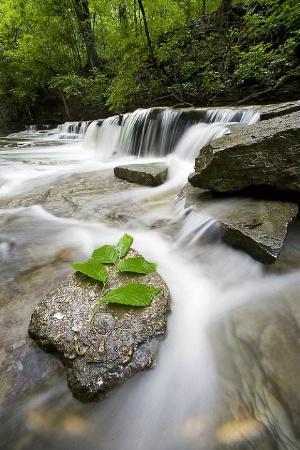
{"x": 228, "y": 370}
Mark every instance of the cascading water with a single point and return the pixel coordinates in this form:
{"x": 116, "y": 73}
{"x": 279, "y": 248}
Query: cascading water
{"x": 67, "y": 130}
{"x": 156, "y": 132}
{"x": 206, "y": 393}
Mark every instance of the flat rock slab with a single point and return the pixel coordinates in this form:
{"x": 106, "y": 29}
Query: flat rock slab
{"x": 152, "y": 174}
{"x": 258, "y": 227}
{"x": 266, "y": 153}
{"x": 278, "y": 109}
{"x": 122, "y": 340}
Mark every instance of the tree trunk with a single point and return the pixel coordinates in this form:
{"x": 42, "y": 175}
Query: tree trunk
{"x": 82, "y": 12}
{"x": 123, "y": 18}
{"x": 226, "y": 6}
{"x": 65, "y": 104}
{"x": 225, "y": 12}
{"x": 149, "y": 43}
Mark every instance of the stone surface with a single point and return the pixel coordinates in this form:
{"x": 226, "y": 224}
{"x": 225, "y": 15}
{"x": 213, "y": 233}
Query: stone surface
{"x": 278, "y": 109}
{"x": 258, "y": 364}
{"x": 92, "y": 195}
{"x": 152, "y": 174}
{"x": 266, "y": 153}
{"x": 256, "y": 226}
{"x": 122, "y": 340}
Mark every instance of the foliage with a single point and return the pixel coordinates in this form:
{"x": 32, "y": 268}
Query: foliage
{"x": 273, "y": 42}
{"x": 134, "y": 294}
{"x": 92, "y": 89}
{"x": 120, "y": 55}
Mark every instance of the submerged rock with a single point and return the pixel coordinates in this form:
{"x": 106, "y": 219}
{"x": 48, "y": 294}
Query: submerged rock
{"x": 266, "y": 154}
{"x": 257, "y": 360}
{"x": 256, "y": 226}
{"x": 152, "y": 174}
{"x": 122, "y": 340}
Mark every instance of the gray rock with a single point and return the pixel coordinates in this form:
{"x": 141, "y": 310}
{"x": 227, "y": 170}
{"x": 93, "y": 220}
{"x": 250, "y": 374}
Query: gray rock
{"x": 266, "y": 153}
{"x": 256, "y": 226}
{"x": 152, "y": 174}
{"x": 122, "y": 340}
{"x": 276, "y": 110}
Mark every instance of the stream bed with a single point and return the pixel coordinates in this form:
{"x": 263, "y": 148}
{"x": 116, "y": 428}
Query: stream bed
{"x": 227, "y": 376}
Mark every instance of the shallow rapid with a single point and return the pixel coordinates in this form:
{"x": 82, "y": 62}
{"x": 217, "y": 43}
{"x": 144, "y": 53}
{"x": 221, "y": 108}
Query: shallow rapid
{"x": 59, "y": 200}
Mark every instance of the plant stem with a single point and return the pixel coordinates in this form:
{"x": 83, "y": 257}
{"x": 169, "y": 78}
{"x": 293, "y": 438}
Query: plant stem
{"x": 92, "y": 318}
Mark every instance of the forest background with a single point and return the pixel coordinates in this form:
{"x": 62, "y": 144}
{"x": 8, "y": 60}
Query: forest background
{"x": 86, "y": 59}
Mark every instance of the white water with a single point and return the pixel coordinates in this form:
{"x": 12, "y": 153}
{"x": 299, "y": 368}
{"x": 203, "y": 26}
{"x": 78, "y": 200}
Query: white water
{"x": 156, "y": 132}
{"x": 173, "y": 406}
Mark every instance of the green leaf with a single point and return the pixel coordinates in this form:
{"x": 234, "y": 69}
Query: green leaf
{"x": 91, "y": 268}
{"x": 106, "y": 254}
{"x": 137, "y": 265}
{"x": 124, "y": 245}
{"x": 134, "y": 294}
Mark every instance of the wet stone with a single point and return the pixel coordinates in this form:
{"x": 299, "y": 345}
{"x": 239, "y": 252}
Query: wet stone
{"x": 265, "y": 154}
{"x": 152, "y": 174}
{"x": 122, "y": 340}
{"x": 256, "y": 226}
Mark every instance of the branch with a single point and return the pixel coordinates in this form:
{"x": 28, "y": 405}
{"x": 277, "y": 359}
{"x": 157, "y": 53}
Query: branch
{"x": 278, "y": 85}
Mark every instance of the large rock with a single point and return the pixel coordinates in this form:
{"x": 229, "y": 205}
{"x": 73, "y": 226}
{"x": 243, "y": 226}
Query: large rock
{"x": 256, "y": 226}
{"x": 122, "y": 340}
{"x": 278, "y": 109}
{"x": 266, "y": 153}
{"x": 152, "y": 174}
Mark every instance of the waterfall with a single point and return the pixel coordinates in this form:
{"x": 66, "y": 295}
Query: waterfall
{"x": 247, "y": 116}
{"x": 67, "y": 130}
{"x": 72, "y": 130}
{"x": 158, "y": 132}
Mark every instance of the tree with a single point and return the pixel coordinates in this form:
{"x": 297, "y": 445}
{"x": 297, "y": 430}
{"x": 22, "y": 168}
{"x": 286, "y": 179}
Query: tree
{"x": 83, "y": 16}
{"x": 128, "y": 53}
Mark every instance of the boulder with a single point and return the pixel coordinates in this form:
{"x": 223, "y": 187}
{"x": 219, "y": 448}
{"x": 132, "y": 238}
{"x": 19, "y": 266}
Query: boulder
{"x": 266, "y": 153}
{"x": 152, "y": 174}
{"x": 121, "y": 341}
{"x": 256, "y": 226}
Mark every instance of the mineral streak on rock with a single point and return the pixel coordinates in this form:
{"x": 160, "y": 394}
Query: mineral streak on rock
{"x": 122, "y": 340}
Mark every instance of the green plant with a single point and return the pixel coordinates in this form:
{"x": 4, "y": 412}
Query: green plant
{"x": 134, "y": 294}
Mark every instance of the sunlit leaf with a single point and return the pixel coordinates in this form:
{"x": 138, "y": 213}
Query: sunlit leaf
{"x": 106, "y": 254}
{"x": 91, "y": 268}
{"x": 134, "y": 294}
{"x": 124, "y": 245}
{"x": 137, "y": 265}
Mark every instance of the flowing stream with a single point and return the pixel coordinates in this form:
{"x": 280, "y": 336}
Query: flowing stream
{"x": 59, "y": 200}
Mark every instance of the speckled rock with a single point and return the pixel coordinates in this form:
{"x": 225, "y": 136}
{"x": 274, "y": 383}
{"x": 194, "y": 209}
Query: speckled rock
{"x": 266, "y": 154}
{"x": 152, "y": 174}
{"x": 122, "y": 340}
